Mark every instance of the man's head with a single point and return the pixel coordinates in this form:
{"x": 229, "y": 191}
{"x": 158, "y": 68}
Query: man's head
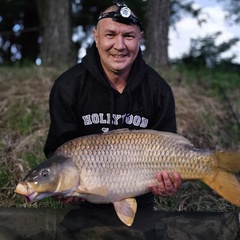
{"x": 118, "y": 35}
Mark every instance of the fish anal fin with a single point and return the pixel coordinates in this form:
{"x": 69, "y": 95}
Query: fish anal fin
{"x": 126, "y": 210}
{"x": 101, "y": 191}
{"x": 226, "y": 185}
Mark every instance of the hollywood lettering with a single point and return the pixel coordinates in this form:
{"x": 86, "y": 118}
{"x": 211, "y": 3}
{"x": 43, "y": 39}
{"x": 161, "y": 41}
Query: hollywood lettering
{"x": 117, "y": 119}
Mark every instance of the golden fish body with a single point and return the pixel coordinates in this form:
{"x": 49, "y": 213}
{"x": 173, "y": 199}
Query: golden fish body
{"x": 127, "y": 162}
{"x": 114, "y": 167}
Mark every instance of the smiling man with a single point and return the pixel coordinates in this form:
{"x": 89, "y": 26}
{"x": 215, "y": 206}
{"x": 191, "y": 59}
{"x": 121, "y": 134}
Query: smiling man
{"x": 117, "y": 44}
{"x": 113, "y": 88}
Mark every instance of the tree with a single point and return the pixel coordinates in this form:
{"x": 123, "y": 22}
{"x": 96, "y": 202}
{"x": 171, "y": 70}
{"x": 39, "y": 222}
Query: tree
{"x": 158, "y": 16}
{"x": 19, "y": 31}
{"x": 58, "y": 23}
{"x": 233, "y": 8}
{"x": 56, "y": 47}
{"x": 205, "y": 53}
{"x": 44, "y": 29}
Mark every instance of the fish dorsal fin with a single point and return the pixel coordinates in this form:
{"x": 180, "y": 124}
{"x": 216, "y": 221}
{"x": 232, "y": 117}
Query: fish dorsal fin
{"x": 101, "y": 191}
{"x": 116, "y": 131}
{"x": 126, "y": 210}
{"x": 177, "y": 138}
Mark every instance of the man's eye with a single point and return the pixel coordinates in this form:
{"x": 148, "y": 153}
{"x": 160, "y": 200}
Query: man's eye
{"x": 129, "y": 37}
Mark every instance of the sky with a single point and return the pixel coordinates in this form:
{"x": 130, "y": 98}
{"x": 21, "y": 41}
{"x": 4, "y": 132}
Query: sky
{"x": 188, "y": 28}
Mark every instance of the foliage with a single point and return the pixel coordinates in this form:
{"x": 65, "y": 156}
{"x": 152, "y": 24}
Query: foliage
{"x": 21, "y": 35}
{"x": 20, "y": 31}
{"x": 178, "y": 8}
{"x": 204, "y": 52}
{"x": 233, "y": 9}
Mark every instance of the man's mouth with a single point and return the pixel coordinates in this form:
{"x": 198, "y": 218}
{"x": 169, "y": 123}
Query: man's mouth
{"x": 118, "y": 56}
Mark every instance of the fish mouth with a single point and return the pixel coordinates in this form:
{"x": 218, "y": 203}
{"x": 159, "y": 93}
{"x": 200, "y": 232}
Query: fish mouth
{"x": 25, "y": 190}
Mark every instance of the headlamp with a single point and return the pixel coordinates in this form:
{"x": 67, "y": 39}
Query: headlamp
{"x": 123, "y": 15}
{"x": 125, "y": 12}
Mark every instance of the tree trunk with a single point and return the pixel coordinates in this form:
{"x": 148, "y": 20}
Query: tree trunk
{"x": 56, "y": 44}
{"x": 158, "y": 17}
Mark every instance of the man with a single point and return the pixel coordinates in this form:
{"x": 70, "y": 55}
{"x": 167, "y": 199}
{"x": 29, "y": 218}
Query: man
{"x": 113, "y": 88}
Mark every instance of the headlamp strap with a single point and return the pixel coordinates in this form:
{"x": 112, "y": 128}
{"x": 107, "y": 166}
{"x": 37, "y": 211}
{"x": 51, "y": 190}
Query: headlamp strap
{"x": 122, "y": 15}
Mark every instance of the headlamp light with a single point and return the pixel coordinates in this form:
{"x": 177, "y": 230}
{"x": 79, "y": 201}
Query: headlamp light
{"x": 125, "y": 12}
{"x": 123, "y": 15}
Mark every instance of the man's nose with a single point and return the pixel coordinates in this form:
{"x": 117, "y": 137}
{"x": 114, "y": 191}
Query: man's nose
{"x": 119, "y": 43}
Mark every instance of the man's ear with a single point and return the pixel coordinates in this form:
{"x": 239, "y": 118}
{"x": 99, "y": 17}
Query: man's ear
{"x": 141, "y": 36}
{"x": 95, "y": 35}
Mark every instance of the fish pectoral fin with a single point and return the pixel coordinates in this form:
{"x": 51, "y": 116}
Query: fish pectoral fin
{"x": 101, "y": 191}
{"x": 126, "y": 210}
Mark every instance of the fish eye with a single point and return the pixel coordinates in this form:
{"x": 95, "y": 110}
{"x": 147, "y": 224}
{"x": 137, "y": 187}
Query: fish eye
{"x": 45, "y": 172}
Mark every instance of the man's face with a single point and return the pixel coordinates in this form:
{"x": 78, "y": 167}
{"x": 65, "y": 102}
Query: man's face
{"x": 118, "y": 44}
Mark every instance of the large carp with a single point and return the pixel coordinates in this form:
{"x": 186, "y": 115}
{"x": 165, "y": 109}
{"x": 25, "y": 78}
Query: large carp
{"x": 115, "y": 167}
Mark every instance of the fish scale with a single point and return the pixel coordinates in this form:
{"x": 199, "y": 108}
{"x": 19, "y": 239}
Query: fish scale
{"x": 130, "y": 161}
{"x": 117, "y": 166}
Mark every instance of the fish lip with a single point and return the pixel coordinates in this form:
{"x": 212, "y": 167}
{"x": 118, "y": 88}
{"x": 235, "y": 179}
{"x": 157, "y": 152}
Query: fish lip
{"x": 22, "y": 189}
{"x": 25, "y": 190}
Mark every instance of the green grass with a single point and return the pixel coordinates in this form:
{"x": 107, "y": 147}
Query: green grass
{"x": 23, "y": 117}
{"x": 194, "y": 196}
{"x": 30, "y": 158}
{"x": 203, "y": 116}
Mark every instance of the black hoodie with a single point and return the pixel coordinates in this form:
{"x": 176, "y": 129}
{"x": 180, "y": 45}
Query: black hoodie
{"x": 82, "y": 102}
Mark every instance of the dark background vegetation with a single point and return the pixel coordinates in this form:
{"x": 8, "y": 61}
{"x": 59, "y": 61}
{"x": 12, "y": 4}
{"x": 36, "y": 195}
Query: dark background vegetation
{"x": 54, "y": 31}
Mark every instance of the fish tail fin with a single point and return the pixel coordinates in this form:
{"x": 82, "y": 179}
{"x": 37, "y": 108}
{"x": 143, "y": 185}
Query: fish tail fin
{"x": 228, "y": 161}
{"x": 225, "y": 182}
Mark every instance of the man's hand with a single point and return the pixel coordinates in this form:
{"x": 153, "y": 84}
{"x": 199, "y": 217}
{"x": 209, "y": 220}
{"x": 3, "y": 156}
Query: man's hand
{"x": 166, "y": 186}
